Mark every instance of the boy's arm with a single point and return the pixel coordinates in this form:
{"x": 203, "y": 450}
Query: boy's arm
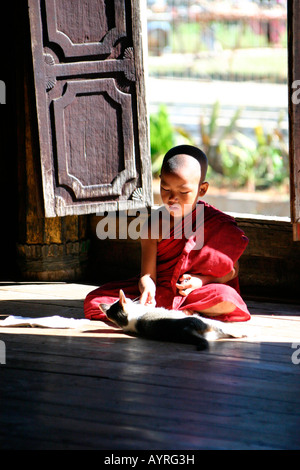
{"x": 190, "y": 282}
{"x": 147, "y": 282}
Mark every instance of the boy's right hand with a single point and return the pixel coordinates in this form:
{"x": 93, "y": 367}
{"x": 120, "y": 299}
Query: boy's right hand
{"x": 147, "y": 288}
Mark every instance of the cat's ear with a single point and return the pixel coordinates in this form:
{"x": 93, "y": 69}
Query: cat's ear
{"x": 122, "y": 298}
{"x": 104, "y": 307}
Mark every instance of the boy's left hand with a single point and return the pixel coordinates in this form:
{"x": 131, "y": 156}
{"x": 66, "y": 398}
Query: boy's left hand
{"x": 187, "y": 283}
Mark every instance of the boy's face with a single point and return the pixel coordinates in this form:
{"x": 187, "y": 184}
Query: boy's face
{"x": 181, "y": 188}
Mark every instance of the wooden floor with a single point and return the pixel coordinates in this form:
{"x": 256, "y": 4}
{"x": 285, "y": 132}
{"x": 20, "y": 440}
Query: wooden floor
{"x": 96, "y": 388}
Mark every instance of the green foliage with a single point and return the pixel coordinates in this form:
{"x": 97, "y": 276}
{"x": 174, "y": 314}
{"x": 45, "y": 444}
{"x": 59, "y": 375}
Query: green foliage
{"x": 212, "y": 137}
{"x": 258, "y": 162}
{"x": 242, "y": 161}
{"x": 253, "y": 162}
{"x": 161, "y": 137}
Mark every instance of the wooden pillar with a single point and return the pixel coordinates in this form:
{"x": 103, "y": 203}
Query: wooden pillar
{"x": 294, "y": 113}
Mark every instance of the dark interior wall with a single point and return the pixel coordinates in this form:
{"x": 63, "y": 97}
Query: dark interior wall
{"x": 10, "y": 53}
{"x": 270, "y": 264}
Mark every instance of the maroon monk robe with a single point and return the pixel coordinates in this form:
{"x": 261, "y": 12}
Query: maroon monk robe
{"x": 223, "y": 245}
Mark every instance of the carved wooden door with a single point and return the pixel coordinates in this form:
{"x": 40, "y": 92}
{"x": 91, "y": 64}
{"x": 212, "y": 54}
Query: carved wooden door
{"x": 90, "y": 95}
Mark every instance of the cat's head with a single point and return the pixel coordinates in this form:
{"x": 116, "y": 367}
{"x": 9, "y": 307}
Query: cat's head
{"x": 118, "y": 311}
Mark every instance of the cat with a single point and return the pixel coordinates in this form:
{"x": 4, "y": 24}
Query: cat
{"x": 160, "y": 324}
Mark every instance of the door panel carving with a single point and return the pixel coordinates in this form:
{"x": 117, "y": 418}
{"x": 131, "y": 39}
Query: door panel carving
{"x": 85, "y": 28}
{"x": 93, "y": 128}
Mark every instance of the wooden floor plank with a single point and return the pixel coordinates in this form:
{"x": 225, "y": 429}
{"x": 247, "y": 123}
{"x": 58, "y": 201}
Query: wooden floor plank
{"x": 28, "y": 382}
{"x": 176, "y": 430}
{"x": 103, "y": 395}
{"x": 155, "y": 416}
{"x": 167, "y": 419}
{"x": 209, "y": 382}
{"x": 96, "y": 388}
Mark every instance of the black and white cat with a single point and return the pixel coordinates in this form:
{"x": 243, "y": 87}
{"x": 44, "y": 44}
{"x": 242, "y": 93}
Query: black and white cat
{"x": 158, "y": 323}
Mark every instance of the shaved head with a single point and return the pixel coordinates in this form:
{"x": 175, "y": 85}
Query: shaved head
{"x": 186, "y": 157}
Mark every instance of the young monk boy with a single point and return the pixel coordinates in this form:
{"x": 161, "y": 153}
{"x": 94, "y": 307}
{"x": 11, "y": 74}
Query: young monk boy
{"x": 195, "y": 270}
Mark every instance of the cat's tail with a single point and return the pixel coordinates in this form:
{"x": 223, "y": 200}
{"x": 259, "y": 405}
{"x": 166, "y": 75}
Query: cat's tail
{"x": 218, "y": 330}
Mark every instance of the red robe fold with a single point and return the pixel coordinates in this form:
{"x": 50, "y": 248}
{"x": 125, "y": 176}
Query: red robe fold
{"x": 223, "y": 245}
